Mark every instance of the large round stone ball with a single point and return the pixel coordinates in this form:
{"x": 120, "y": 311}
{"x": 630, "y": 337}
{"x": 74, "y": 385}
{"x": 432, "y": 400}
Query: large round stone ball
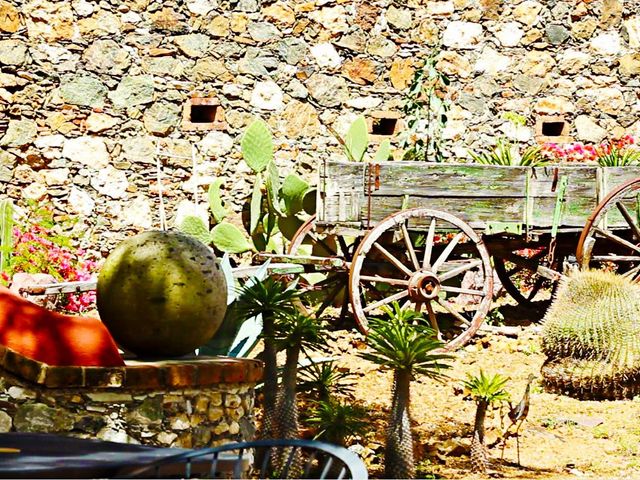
{"x": 161, "y": 294}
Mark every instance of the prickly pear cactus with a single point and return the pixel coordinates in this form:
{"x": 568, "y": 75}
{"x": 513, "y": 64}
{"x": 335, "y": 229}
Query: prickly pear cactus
{"x": 161, "y": 294}
{"x": 591, "y": 336}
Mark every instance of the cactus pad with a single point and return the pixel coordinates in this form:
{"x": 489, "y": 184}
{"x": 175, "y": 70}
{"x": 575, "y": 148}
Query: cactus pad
{"x": 591, "y": 336}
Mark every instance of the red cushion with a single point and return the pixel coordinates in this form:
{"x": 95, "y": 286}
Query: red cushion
{"x": 53, "y": 338}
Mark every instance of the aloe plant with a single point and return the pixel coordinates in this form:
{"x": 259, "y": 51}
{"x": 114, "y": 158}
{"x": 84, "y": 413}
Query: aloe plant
{"x": 271, "y": 200}
{"x": 505, "y": 154}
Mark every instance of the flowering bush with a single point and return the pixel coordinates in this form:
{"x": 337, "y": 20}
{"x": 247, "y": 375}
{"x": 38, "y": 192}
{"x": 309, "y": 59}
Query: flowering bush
{"x": 37, "y": 248}
{"x": 610, "y": 153}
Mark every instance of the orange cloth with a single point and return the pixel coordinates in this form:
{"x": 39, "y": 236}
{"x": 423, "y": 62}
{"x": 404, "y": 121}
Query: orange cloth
{"x": 53, "y": 338}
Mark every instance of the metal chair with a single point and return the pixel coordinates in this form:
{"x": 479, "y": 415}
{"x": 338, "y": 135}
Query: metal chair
{"x": 295, "y": 459}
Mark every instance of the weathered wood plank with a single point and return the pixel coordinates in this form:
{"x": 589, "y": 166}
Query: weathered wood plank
{"x": 476, "y": 193}
{"x": 582, "y": 181}
{"x": 576, "y": 212}
{"x": 341, "y": 192}
{"x": 450, "y": 180}
{"x": 475, "y": 211}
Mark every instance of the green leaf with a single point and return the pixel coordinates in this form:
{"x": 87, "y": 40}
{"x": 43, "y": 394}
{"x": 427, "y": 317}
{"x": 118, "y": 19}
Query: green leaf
{"x": 260, "y": 241}
{"x": 256, "y": 204}
{"x": 384, "y": 151}
{"x": 273, "y": 187}
{"x": 215, "y": 202}
{"x": 357, "y": 139}
{"x": 288, "y": 226}
{"x": 257, "y": 146}
{"x": 293, "y": 191}
{"x": 6, "y": 233}
{"x": 229, "y": 238}
{"x": 196, "y": 228}
{"x": 309, "y": 201}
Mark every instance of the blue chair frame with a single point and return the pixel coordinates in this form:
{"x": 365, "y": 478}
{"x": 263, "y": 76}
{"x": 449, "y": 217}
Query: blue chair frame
{"x": 333, "y": 461}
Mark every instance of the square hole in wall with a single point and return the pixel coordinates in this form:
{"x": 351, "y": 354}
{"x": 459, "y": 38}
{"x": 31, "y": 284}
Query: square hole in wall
{"x": 552, "y": 128}
{"x": 384, "y": 124}
{"x": 203, "y": 114}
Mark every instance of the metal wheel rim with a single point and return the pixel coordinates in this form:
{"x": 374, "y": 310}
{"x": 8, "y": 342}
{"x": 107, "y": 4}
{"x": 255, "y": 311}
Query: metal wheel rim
{"x": 596, "y": 216}
{"x": 296, "y": 242}
{"x": 499, "y": 265}
{"x": 390, "y": 223}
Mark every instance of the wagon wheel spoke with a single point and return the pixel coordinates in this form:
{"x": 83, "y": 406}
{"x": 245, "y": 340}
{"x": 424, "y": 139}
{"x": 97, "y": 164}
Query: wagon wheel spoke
{"x": 629, "y": 219}
{"x": 389, "y": 256}
{"x": 385, "y": 301}
{"x": 426, "y": 260}
{"x": 444, "y": 304}
{"x": 515, "y": 270}
{"x": 461, "y": 269}
{"x": 447, "y": 251}
{"x": 536, "y": 288}
{"x": 328, "y": 281}
{"x": 614, "y": 238}
{"x": 389, "y": 281}
{"x": 328, "y": 301}
{"x": 433, "y": 320}
{"x": 321, "y": 243}
{"x": 632, "y": 273}
{"x": 465, "y": 291}
{"x": 344, "y": 247}
{"x": 410, "y": 249}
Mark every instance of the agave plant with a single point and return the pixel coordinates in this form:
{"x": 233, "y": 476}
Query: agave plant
{"x": 486, "y": 390}
{"x": 619, "y": 157}
{"x": 273, "y": 299}
{"x": 338, "y": 422}
{"x": 294, "y": 332}
{"x": 325, "y": 379}
{"x": 505, "y": 154}
{"x": 406, "y": 348}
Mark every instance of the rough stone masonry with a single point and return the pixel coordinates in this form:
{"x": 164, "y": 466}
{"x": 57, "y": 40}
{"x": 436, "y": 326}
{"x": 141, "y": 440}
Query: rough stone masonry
{"x": 87, "y": 87}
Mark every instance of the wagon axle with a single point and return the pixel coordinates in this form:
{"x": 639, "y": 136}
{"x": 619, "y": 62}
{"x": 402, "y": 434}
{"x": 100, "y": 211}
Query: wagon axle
{"x": 423, "y": 286}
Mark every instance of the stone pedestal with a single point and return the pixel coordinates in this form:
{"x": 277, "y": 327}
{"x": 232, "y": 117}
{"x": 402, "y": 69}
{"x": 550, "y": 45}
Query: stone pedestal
{"x": 193, "y": 403}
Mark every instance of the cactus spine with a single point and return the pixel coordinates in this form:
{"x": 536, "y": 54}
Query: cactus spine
{"x": 591, "y": 337}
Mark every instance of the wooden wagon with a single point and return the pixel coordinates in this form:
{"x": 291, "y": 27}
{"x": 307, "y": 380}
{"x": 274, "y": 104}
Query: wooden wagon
{"x": 430, "y": 236}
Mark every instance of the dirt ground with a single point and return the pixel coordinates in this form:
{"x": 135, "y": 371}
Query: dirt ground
{"x": 562, "y": 437}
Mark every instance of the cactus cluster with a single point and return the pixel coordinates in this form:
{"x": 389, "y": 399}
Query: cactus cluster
{"x": 591, "y": 336}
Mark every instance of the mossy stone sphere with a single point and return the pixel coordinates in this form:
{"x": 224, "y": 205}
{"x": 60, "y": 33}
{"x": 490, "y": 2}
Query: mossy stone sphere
{"x": 161, "y": 294}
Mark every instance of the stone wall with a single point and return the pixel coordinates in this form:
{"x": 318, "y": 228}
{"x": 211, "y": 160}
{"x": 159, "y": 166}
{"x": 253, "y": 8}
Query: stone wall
{"x": 87, "y": 87}
{"x": 190, "y": 404}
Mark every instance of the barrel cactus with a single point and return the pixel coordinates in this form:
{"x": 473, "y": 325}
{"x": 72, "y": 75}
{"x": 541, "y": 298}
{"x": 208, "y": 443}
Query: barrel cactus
{"x": 591, "y": 336}
{"x": 161, "y": 294}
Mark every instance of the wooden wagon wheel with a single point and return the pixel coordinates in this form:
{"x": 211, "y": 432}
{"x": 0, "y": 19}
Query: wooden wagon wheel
{"x": 617, "y": 249}
{"x": 408, "y": 258}
{"x": 517, "y": 270}
{"x": 332, "y": 282}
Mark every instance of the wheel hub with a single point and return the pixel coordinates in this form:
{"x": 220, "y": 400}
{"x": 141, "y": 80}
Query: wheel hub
{"x": 423, "y": 286}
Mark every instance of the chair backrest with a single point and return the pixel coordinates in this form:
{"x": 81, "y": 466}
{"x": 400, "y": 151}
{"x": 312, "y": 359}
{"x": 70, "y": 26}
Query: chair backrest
{"x": 278, "y": 459}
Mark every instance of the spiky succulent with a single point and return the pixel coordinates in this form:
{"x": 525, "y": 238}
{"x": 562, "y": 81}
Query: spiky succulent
{"x": 591, "y": 336}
